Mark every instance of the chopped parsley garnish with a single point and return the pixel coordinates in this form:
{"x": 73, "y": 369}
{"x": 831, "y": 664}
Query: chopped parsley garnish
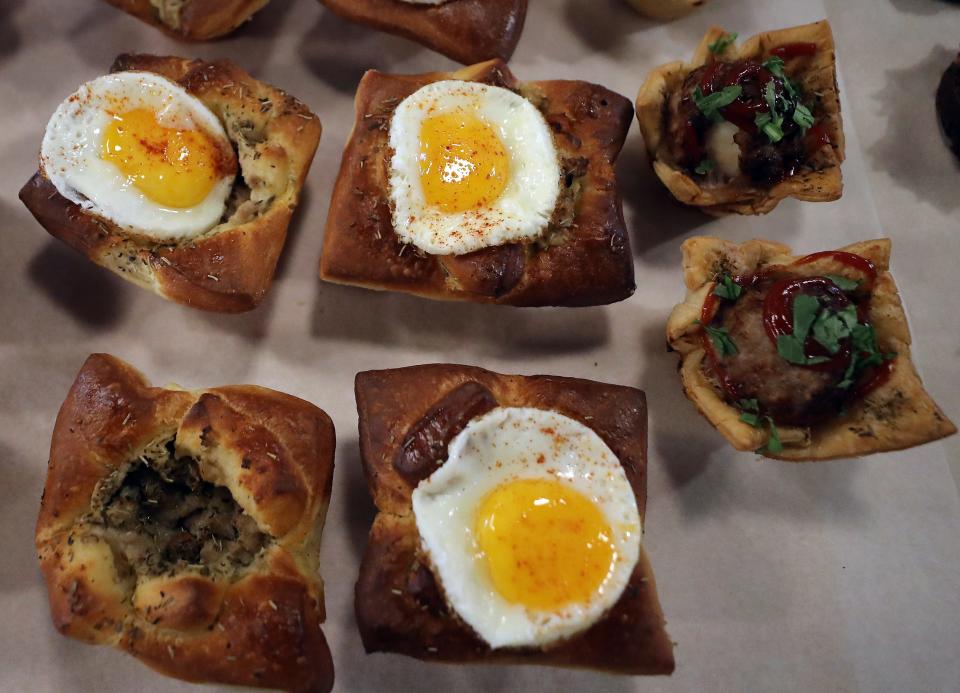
{"x": 727, "y": 288}
{"x": 774, "y": 64}
{"x": 705, "y": 166}
{"x": 802, "y": 116}
{"x": 842, "y": 282}
{"x": 773, "y": 443}
{"x": 790, "y": 347}
{"x": 770, "y": 125}
{"x": 789, "y": 104}
{"x": 721, "y": 340}
{"x": 722, "y": 43}
{"x": 710, "y": 105}
{"x": 829, "y": 328}
{"x": 752, "y": 417}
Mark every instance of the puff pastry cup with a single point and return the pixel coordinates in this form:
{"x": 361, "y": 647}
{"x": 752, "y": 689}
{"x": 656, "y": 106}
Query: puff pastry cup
{"x": 587, "y": 260}
{"x": 230, "y": 267}
{"x": 468, "y": 31}
{"x": 895, "y": 414}
{"x": 195, "y": 20}
{"x": 399, "y": 606}
{"x": 816, "y": 178}
{"x": 184, "y": 527}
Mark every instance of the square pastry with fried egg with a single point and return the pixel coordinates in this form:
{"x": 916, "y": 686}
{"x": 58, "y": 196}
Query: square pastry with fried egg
{"x": 510, "y": 521}
{"x": 800, "y": 357}
{"x": 179, "y": 175}
{"x": 472, "y": 185}
{"x": 468, "y": 31}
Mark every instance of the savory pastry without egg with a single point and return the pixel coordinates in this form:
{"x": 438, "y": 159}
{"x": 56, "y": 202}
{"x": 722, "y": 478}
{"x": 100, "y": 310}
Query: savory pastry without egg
{"x": 742, "y": 127}
{"x": 468, "y": 31}
{"x": 510, "y": 521}
{"x": 800, "y": 357}
{"x": 471, "y": 185}
{"x": 192, "y": 19}
{"x": 179, "y": 175}
{"x": 184, "y": 527}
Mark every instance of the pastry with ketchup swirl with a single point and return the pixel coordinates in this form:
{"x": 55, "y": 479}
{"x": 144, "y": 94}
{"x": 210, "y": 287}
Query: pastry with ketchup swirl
{"x": 800, "y": 357}
{"x": 742, "y": 127}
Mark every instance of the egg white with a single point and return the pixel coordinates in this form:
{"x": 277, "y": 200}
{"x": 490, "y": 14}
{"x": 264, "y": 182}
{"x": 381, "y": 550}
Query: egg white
{"x": 70, "y": 155}
{"x": 501, "y": 446}
{"x": 522, "y": 211}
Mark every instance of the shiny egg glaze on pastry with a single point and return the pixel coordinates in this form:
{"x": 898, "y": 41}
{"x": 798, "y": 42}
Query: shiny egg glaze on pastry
{"x": 510, "y": 523}
{"x": 180, "y": 176}
{"x": 468, "y": 31}
{"x": 473, "y": 186}
{"x": 800, "y": 357}
{"x": 184, "y": 527}
{"x": 743, "y": 126}
{"x": 195, "y": 20}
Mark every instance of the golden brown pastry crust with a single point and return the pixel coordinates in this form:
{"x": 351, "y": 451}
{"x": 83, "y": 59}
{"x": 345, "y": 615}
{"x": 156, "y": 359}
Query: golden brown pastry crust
{"x": 819, "y": 76}
{"x": 194, "y": 20}
{"x": 897, "y": 414}
{"x": 395, "y": 610}
{"x": 588, "y": 260}
{"x": 230, "y": 267}
{"x": 468, "y": 31}
{"x": 274, "y": 452}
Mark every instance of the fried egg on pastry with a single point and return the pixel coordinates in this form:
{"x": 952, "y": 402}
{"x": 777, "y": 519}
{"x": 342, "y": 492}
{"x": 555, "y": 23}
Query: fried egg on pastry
{"x": 531, "y": 526}
{"x": 141, "y": 152}
{"x": 473, "y": 166}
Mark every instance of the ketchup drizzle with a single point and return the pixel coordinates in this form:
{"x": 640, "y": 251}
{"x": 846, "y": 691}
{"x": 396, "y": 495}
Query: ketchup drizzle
{"x": 778, "y": 316}
{"x": 794, "y": 50}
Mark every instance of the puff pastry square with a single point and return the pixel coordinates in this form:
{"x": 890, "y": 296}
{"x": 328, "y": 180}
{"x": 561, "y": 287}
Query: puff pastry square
{"x": 194, "y": 20}
{"x": 398, "y": 605}
{"x": 468, "y": 31}
{"x": 815, "y": 75}
{"x": 586, "y": 262}
{"x": 184, "y": 527}
{"x": 897, "y": 414}
{"x": 230, "y": 267}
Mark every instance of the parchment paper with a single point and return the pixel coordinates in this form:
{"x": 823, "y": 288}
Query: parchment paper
{"x": 773, "y": 577}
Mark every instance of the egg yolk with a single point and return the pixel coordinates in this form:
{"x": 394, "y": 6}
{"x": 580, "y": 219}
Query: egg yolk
{"x": 545, "y": 544}
{"x": 463, "y": 164}
{"x": 174, "y": 168}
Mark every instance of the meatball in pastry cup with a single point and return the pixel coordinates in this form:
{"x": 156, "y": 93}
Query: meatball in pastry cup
{"x": 741, "y": 127}
{"x": 184, "y": 527}
{"x": 132, "y": 195}
{"x": 800, "y": 357}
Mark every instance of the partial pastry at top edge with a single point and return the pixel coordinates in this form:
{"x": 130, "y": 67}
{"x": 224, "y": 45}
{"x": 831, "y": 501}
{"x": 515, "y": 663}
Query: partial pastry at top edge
{"x": 666, "y": 9}
{"x": 193, "y": 20}
{"x": 468, "y": 31}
